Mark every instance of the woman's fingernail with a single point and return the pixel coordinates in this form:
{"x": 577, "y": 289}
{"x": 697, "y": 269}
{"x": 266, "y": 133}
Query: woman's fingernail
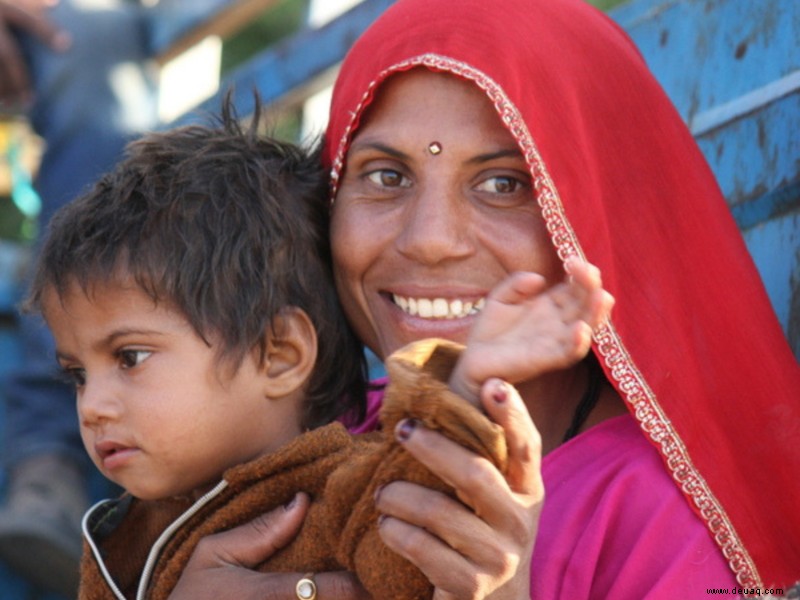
{"x": 404, "y": 429}
{"x": 291, "y": 503}
{"x": 377, "y": 493}
{"x": 500, "y": 393}
{"x": 381, "y": 520}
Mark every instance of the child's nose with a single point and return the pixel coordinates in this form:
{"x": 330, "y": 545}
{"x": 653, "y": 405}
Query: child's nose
{"x": 97, "y": 401}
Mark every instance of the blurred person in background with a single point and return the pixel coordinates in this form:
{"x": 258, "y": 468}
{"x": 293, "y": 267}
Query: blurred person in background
{"x": 79, "y": 70}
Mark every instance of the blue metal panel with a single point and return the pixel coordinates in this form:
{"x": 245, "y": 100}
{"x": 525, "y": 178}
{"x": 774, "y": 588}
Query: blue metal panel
{"x": 732, "y": 69}
{"x": 755, "y": 159}
{"x": 709, "y": 52}
{"x": 774, "y": 246}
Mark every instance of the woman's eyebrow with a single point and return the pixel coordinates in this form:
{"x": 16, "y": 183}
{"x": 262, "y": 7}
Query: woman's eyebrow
{"x": 368, "y": 145}
{"x": 502, "y": 153}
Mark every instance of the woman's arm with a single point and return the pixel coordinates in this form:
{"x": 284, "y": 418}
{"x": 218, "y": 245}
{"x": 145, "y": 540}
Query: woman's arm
{"x": 222, "y": 564}
{"x": 484, "y": 552}
{"x": 465, "y": 554}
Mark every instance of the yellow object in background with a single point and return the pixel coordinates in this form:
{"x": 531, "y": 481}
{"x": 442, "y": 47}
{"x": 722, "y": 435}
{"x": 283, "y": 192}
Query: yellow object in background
{"x": 20, "y": 151}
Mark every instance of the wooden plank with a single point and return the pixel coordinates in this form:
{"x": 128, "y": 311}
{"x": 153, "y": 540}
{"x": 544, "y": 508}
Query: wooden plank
{"x": 231, "y": 19}
{"x": 289, "y": 71}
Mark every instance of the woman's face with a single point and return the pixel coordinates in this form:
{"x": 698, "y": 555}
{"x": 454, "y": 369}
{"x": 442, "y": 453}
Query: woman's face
{"x": 420, "y": 237}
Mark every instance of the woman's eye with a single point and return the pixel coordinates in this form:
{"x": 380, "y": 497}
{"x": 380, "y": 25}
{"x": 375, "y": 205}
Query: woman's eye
{"x": 75, "y": 376}
{"x": 388, "y": 178}
{"x": 501, "y": 184}
{"x": 131, "y": 358}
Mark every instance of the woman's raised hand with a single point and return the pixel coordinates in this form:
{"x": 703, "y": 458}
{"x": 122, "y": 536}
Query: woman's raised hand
{"x": 481, "y": 548}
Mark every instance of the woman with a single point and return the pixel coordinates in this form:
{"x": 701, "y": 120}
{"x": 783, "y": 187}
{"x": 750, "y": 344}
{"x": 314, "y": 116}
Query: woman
{"x": 512, "y": 135}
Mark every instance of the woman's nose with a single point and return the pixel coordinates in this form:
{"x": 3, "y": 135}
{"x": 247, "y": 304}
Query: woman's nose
{"x": 436, "y": 227}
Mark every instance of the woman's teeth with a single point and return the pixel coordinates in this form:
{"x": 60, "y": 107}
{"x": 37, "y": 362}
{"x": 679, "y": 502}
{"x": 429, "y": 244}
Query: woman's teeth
{"x": 438, "y": 308}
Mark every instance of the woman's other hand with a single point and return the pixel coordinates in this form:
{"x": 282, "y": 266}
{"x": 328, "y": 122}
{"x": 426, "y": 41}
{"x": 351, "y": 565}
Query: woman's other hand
{"x": 481, "y": 548}
{"x": 222, "y": 564}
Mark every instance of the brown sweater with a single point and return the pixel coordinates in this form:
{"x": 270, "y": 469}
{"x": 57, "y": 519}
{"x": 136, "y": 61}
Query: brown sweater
{"x": 341, "y": 473}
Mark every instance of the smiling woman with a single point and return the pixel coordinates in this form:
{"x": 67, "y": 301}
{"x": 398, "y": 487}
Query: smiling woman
{"x": 469, "y": 204}
{"x": 554, "y": 141}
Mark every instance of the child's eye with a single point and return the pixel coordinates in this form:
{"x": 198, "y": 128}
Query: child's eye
{"x": 389, "y": 178}
{"x": 74, "y": 375}
{"x": 131, "y": 358}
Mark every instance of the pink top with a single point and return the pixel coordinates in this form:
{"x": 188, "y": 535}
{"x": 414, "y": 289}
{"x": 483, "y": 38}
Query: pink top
{"x": 614, "y": 525}
{"x": 374, "y": 399}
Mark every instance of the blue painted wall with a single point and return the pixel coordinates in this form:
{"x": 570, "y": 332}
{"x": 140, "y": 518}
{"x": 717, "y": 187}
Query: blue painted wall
{"x": 732, "y": 69}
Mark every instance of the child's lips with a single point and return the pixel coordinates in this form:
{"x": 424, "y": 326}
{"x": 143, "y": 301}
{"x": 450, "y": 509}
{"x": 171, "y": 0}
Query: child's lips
{"x": 113, "y": 454}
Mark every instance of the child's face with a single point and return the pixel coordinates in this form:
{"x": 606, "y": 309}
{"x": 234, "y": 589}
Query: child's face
{"x": 158, "y": 415}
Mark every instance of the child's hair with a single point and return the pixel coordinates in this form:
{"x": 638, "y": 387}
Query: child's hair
{"x": 227, "y": 226}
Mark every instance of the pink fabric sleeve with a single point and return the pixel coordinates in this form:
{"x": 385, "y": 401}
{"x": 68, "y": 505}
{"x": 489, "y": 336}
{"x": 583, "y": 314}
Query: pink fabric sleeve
{"x": 374, "y": 399}
{"x": 615, "y": 526}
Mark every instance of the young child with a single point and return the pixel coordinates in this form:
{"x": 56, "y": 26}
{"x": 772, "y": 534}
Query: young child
{"x": 191, "y": 299}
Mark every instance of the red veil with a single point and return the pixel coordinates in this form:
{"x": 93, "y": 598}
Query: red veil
{"x": 693, "y": 346}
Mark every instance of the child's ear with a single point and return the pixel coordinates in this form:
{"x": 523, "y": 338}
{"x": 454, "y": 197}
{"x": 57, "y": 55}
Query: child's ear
{"x": 291, "y": 352}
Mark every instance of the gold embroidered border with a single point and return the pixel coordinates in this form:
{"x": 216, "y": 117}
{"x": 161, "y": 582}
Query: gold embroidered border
{"x": 629, "y": 380}
{"x": 657, "y": 426}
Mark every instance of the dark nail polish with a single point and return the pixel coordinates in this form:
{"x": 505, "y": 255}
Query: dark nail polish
{"x": 404, "y": 429}
{"x": 500, "y": 393}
